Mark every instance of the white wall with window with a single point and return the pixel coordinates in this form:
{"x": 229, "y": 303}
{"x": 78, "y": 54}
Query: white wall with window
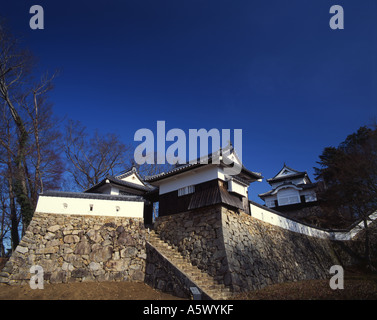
{"x": 271, "y": 202}
{"x": 260, "y": 213}
{"x": 190, "y": 178}
{"x": 288, "y": 196}
{"x": 186, "y": 190}
{"x": 310, "y": 197}
{"x": 237, "y": 187}
{"x": 83, "y": 206}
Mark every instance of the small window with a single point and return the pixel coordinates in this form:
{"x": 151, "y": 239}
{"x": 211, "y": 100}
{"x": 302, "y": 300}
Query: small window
{"x": 65, "y": 205}
{"x": 270, "y": 203}
{"x": 91, "y": 207}
{"x": 310, "y": 197}
{"x": 186, "y": 190}
{"x": 288, "y": 200}
{"x": 117, "y": 208}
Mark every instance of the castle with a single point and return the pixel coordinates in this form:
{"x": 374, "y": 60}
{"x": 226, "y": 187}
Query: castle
{"x": 208, "y": 234}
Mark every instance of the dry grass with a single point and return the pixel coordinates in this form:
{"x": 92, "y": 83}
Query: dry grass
{"x": 85, "y": 291}
{"x": 359, "y": 284}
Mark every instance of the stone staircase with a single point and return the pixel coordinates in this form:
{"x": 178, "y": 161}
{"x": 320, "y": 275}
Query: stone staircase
{"x": 205, "y": 283}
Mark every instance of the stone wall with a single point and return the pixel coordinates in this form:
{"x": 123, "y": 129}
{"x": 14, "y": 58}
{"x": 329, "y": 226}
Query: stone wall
{"x": 245, "y": 253}
{"x": 198, "y": 236}
{"x": 238, "y": 250}
{"x": 162, "y": 275}
{"x": 259, "y": 254}
{"x": 73, "y": 248}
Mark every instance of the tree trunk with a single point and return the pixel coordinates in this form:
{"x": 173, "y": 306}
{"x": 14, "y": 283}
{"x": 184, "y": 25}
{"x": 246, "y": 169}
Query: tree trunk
{"x": 15, "y": 237}
{"x": 367, "y": 253}
{"x": 2, "y": 232}
{"x": 20, "y": 186}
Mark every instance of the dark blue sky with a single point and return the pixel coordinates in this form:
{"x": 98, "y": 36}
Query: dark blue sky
{"x": 274, "y": 69}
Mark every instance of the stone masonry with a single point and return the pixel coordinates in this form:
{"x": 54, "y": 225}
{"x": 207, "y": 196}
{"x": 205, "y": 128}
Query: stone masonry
{"x": 198, "y": 236}
{"x": 259, "y": 254}
{"x": 73, "y": 248}
{"x": 236, "y": 251}
{"x": 244, "y": 253}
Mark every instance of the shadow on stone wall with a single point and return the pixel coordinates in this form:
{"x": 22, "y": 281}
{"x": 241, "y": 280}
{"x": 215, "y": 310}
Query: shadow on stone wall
{"x": 237, "y": 250}
{"x": 162, "y": 275}
{"x": 261, "y": 254}
{"x": 247, "y": 254}
{"x": 198, "y": 236}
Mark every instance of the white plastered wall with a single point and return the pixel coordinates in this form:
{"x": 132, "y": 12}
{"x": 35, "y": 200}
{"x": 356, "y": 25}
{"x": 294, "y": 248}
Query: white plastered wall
{"x": 191, "y": 177}
{"x": 285, "y": 223}
{"x": 234, "y": 186}
{"x": 133, "y": 178}
{"x": 83, "y": 206}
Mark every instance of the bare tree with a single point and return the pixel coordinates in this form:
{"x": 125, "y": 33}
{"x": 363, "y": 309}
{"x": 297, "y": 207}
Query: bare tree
{"x": 92, "y": 157}
{"x": 8, "y": 141}
{"x": 146, "y": 170}
{"x": 28, "y": 139}
{"x": 44, "y": 151}
{"x": 14, "y": 65}
{"x": 4, "y": 217}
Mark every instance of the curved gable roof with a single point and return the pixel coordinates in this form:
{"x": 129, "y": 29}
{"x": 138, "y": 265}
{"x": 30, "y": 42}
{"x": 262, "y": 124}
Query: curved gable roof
{"x": 118, "y": 182}
{"x": 288, "y": 173}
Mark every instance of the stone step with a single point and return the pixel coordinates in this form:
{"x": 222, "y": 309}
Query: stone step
{"x": 195, "y": 278}
{"x": 186, "y": 265}
{"x": 217, "y": 287}
{"x": 202, "y": 279}
{"x": 208, "y": 284}
{"x": 220, "y": 296}
{"x": 191, "y": 272}
{"x": 223, "y": 293}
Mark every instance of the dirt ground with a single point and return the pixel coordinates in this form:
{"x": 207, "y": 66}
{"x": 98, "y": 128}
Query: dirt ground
{"x": 358, "y": 285}
{"x": 85, "y": 291}
{"x": 314, "y": 290}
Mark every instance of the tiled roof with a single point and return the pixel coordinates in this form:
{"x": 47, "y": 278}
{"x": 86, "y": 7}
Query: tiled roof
{"x": 128, "y": 173}
{"x": 290, "y": 176}
{"x": 199, "y": 162}
{"x": 301, "y": 186}
{"x": 87, "y": 195}
{"x": 296, "y": 174}
{"x": 129, "y": 184}
{"x": 116, "y": 181}
{"x": 173, "y": 171}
